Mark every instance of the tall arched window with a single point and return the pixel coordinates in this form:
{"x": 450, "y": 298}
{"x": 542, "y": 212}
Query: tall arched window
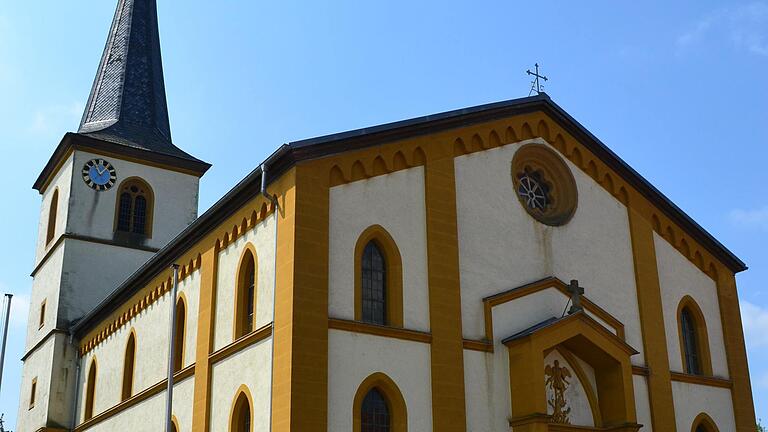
{"x": 90, "y": 391}
{"x": 241, "y": 418}
{"x": 128, "y": 366}
{"x": 134, "y": 208}
{"x": 374, "y": 415}
{"x": 694, "y": 342}
{"x": 690, "y": 344}
{"x": 245, "y": 297}
{"x": 181, "y": 320}
{"x": 52, "y": 212}
{"x": 704, "y": 423}
{"x": 378, "y": 278}
{"x": 374, "y": 286}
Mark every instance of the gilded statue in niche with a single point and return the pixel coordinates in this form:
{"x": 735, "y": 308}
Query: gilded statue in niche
{"x": 557, "y": 382}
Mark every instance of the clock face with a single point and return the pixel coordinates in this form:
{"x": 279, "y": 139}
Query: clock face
{"x": 99, "y": 174}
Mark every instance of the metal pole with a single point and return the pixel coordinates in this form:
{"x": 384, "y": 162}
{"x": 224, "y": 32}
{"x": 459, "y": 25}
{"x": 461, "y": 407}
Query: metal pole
{"x": 172, "y": 338}
{"x": 9, "y": 297}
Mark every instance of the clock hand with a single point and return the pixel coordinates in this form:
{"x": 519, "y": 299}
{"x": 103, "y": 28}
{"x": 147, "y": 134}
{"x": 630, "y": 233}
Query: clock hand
{"x": 99, "y": 170}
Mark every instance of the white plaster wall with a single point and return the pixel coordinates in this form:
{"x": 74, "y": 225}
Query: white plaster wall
{"x": 487, "y": 400}
{"x": 93, "y": 213}
{"x": 693, "y": 399}
{"x": 90, "y": 272}
{"x": 262, "y": 237}
{"x": 151, "y": 327}
{"x": 37, "y": 365}
{"x": 251, "y": 367}
{"x": 642, "y": 402}
{"x": 678, "y": 277}
{"x": 575, "y": 393}
{"x": 149, "y": 415}
{"x": 61, "y": 181}
{"x": 45, "y": 286}
{"x": 352, "y": 357}
{"x": 396, "y": 202}
{"x": 502, "y": 247}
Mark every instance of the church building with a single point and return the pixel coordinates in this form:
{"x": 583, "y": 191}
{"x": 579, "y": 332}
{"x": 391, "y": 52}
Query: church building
{"x": 494, "y": 268}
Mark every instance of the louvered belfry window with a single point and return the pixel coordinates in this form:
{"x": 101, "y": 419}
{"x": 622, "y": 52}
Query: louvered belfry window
{"x": 134, "y": 209}
{"x": 374, "y": 286}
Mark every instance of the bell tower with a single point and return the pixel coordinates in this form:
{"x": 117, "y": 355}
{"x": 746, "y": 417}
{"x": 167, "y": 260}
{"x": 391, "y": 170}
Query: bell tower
{"x": 113, "y": 194}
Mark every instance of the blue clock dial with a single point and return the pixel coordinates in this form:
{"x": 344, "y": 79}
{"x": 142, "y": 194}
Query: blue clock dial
{"x": 99, "y": 174}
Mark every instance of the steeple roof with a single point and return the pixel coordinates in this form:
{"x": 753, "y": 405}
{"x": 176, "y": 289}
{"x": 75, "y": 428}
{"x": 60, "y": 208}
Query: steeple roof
{"x": 127, "y": 104}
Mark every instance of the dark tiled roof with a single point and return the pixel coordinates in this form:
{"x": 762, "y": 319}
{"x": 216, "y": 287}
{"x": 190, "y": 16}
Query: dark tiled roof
{"x": 533, "y": 329}
{"x": 127, "y": 104}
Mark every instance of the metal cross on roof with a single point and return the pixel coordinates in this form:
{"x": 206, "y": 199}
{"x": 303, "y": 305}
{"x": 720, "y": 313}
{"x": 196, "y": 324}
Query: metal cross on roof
{"x": 576, "y": 292}
{"x": 536, "y": 83}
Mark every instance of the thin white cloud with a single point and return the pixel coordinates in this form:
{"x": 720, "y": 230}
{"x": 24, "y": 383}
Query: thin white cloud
{"x": 56, "y": 118}
{"x": 755, "y": 321}
{"x": 755, "y": 218}
{"x": 746, "y": 26}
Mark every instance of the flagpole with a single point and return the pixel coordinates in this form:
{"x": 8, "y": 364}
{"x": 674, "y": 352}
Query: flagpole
{"x": 172, "y": 339}
{"x": 9, "y": 297}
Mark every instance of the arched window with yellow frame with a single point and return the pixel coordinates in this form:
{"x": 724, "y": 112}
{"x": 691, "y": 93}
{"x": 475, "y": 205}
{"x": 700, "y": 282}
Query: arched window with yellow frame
{"x": 379, "y": 406}
{"x": 694, "y": 339}
{"x": 90, "y": 391}
{"x": 241, "y": 414}
{"x": 245, "y": 293}
{"x": 378, "y": 278}
{"x": 129, "y": 366}
{"x": 135, "y": 208}
{"x": 181, "y": 332}
{"x": 704, "y": 423}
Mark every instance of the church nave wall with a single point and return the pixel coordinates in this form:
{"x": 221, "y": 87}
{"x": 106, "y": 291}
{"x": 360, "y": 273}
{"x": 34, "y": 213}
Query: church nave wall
{"x": 150, "y": 328}
{"x": 250, "y": 370}
{"x": 353, "y": 357}
{"x": 502, "y": 247}
{"x": 395, "y": 202}
{"x": 694, "y": 399}
{"x": 261, "y": 240}
{"x": 149, "y": 414}
{"x": 679, "y": 278}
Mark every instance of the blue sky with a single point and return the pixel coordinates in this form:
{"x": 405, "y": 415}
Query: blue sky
{"x": 677, "y": 89}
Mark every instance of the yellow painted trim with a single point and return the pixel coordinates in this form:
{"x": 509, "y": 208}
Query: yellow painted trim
{"x": 478, "y": 345}
{"x": 179, "y": 350}
{"x": 201, "y": 404}
{"x": 240, "y": 344}
{"x": 129, "y": 368}
{"x": 398, "y": 411}
{"x": 735, "y": 350}
{"x": 378, "y": 330}
{"x": 652, "y": 322}
{"x": 535, "y": 287}
{"x": 702, "y": 336}
{"x": 240, "y": 302}
{"x": 153, "y": 390}
{"x": 447, "y": 350}
{"x": 394, "y": 277}
{"x": 234, "y": 411}
{"x": 701, "y": 380}
{"x": 705, "y": 420}
{"x": 150, "y": 204}
{"x": 175, "y": 424}
{"x": 594, "y": 406}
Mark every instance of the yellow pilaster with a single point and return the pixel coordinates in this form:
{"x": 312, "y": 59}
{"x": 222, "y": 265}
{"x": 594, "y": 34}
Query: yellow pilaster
{"x": 202, "y": 392}
{"x": 448, "y": 407}
{"x": 652, "y": 321}
{"x": 741, "y": 393}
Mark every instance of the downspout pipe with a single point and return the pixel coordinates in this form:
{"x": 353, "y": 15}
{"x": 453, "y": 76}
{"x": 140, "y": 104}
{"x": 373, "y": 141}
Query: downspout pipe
{"x": 76, "y": 397}
{"x": 264, "y": 177}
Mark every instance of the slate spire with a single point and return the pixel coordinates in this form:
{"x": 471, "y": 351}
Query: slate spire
{"x": 127, "y": 103}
